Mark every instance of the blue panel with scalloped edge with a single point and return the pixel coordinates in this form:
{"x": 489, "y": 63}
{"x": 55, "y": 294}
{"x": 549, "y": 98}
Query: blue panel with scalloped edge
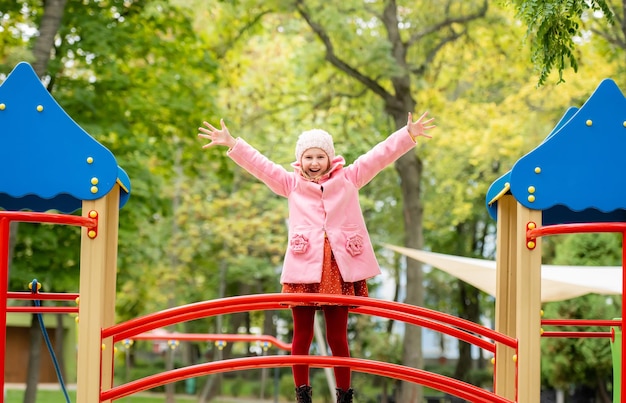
{"x": 47, "y": 161}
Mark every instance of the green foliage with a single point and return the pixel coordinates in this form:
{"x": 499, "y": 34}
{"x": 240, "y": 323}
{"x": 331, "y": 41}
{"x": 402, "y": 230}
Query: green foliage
{"x": 48, "y": 253}
{"x": 603, "y": 249}
{"x": 554, "y": 26}
{"x": 567, "y": 361}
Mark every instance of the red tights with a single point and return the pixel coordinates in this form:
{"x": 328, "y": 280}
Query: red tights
{"x": 336, "y": 318}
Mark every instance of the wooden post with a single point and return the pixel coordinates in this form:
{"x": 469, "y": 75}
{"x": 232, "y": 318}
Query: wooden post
{"x": 98, "y": 271}
{"x": 528, "y": 325}
{"x": 506, "y": 292}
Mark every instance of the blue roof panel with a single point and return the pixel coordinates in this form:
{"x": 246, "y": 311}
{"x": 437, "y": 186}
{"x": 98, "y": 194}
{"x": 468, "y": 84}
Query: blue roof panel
{"x": 577, "y": 173}
{"x": 47, "y": 160}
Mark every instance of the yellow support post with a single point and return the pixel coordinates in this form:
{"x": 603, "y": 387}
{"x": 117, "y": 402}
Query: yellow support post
{"x": 506, "y": 308}
{"x": 528, "y": 325}
{"x": 98, "y": 271}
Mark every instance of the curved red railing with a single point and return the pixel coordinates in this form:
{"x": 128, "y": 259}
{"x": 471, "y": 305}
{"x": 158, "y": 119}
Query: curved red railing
{"x": 448, "y": 324}
{"x": 460, "y": 328}
{"x": 439, "y": 382}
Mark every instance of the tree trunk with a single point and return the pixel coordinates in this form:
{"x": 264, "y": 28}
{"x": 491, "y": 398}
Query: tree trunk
{"x": 269, "y": 329}
{"x": 170, "y": 387}
{"x": 470, "y": 310}
{"x": 409, "y": 168}
{"x": 34, "y": 361}
{"x": 50, "y": 23}
{"x": 59, "y": 345}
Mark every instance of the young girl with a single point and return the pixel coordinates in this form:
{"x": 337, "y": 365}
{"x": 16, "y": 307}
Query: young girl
{"x": 329, "y": 250}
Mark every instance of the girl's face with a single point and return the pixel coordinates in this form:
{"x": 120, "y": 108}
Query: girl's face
{"x": 315, "y": 162}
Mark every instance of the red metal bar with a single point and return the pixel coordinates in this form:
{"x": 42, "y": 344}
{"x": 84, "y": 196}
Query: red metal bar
{"x": 435, "y": 381}
{"x": 623, "y": 318}
{"x": 43, "y": 309}
{"x": 588, "y": 335}
{"x": 557, "y": 229}
{"x": 248, "y": 306}
{"x": 281, "y": 301}
{"x": 232, "y": 308}
{"x": 30, "y": 216}
{"x": 460, "y": 334}
{"x": 214, "y": 337}
{"x": 4, "y": 286}
{"x": 580, "y": 322}
{"x": 49, "y": 296}
{"x": 123, "y": 330}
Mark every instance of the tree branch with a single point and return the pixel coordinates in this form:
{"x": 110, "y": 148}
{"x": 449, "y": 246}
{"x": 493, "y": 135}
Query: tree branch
{"x": 433, "y": 52}
{"x": 447, "y": 23}
{"x": 332, "y": 57}
{"x": 229, "y": 44}
{"x": 612, "y": 39}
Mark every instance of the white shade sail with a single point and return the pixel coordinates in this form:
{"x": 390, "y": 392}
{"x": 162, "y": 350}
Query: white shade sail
{"x": 558, "y": 282}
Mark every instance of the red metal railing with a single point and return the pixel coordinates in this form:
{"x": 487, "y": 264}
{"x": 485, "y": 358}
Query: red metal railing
{"x": 581, "y": 323}
{"x": 577, "y": 228}
{"x": 462, "y": 329}
{"x": 439, "y": 382}
{"x": 6, "y": 217}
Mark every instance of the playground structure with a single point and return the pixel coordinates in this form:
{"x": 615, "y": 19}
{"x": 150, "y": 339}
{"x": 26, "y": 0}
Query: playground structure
{"x": 526, "y": 204}
{"x": 571, "y": 183}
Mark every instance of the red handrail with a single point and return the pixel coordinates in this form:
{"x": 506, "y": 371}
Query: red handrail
{"x": 579, "y": 335}
{"x": 51, "y": 218}
{"x": 449, "y": 385}
{"x": 576, "y": 228}
{"x": 581, "y": 322}
{"x": 48, "y": 296}
{"x": 448, "y": 324}
{"x": 42, "y": 309}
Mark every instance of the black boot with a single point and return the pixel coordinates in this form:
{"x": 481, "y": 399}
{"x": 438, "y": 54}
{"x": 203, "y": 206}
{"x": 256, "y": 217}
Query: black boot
{"x": 344, "y": 396}
{"x": 303, "y": 394}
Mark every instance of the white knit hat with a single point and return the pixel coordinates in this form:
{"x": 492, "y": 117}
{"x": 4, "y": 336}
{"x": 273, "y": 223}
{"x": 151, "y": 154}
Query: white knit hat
{"x": 315, "y": 138}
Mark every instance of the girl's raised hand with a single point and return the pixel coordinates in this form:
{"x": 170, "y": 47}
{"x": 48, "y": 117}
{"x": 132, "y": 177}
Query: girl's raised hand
{"x": 420, "y": 126}
{"x": 218, "y": 137}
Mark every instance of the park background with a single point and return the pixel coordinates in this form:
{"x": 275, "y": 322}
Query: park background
{"x": 141, "y": 76}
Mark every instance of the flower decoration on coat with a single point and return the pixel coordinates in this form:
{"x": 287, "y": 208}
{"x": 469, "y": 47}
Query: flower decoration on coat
{"x": 299, "y": 243}
{"x": 354, "y": 244}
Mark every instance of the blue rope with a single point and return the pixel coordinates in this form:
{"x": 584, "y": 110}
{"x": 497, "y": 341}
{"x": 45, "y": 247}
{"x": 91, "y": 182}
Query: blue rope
{"x": 57, "y": 369}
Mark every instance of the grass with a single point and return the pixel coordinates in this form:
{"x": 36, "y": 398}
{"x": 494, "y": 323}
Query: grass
{"x": 57, "y": 396}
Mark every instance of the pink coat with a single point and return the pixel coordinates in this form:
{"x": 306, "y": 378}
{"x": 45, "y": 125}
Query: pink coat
{"x": 330, "y": 207}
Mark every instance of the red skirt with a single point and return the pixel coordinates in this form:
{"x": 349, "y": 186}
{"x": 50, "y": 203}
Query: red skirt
{"x": 331, "y": 283}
